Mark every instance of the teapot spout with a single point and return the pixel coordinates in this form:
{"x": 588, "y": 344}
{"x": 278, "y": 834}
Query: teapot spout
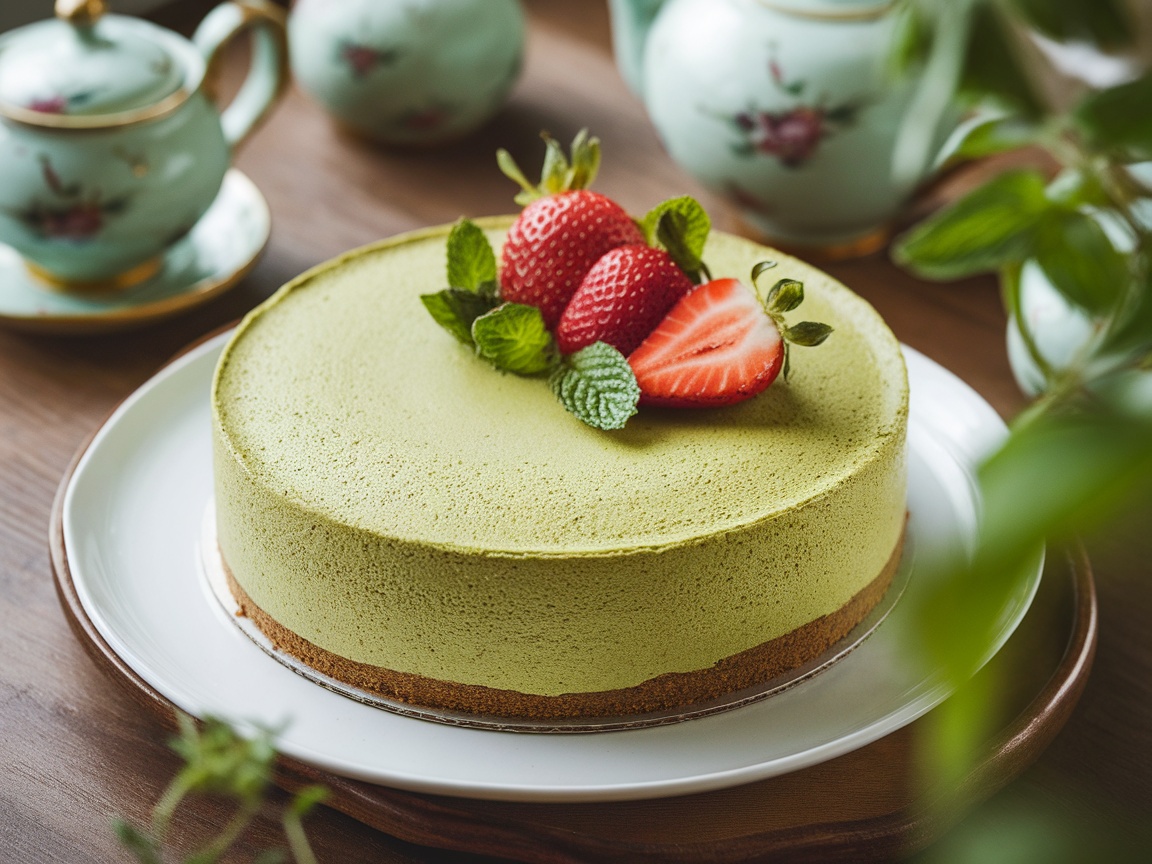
{"x": 631, "y": 20}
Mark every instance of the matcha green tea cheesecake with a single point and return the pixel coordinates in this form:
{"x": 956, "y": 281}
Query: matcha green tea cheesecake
{"x": 405, "y": 509}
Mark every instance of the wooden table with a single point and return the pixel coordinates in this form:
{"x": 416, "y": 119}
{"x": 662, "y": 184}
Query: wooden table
{"x": 75, "y": 751}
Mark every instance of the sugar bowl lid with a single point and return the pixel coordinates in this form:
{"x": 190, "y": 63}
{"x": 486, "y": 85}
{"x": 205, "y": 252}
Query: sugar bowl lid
{"x": 84, "y": 68}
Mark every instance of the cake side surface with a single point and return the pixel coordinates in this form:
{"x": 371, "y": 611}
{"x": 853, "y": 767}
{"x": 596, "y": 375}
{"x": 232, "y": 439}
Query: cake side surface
{"x": 393, "y": 500}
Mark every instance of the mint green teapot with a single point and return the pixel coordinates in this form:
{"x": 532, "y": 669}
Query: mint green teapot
{"x": 786, "y": 107}
{"x": 111, "y": 143}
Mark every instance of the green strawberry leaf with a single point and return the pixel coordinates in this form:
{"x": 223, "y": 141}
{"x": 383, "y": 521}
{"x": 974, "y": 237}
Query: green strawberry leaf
{"x": 585, "y": 161}
{"x": 808, "y": 334}
{"x": 680, "y": 226}
{"x": 455, "y": 309}
{"x": 528, "y": 191}
{"x": 784, "y": 296}
{"x": 555, "y": 170}
{"x": 471, "y": 261}
{"x": 597, "y": 385}
{"x": 514, "y": 338}
{"x": 988, "y": 229}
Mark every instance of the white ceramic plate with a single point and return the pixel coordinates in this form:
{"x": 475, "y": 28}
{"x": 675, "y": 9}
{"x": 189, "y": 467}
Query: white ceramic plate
{"x": 132, "y": 517}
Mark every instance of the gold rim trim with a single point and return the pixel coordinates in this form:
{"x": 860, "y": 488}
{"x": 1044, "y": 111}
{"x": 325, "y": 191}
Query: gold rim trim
{"x": 42, "y": 120}
{"x": 872, "y": 13}
{"x": 275, "y": 20}
{"x": 110, "y": 285}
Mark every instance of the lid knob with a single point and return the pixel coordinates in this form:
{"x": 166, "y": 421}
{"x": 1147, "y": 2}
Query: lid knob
{"x": 83, "y": 13}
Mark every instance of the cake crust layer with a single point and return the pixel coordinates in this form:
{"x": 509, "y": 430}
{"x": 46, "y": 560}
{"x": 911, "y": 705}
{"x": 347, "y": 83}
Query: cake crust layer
{"x": 671, "y": 690}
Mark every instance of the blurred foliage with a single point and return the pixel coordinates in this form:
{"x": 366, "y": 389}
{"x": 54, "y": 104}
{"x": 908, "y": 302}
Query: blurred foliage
{"x": 1083, "y": 450}
{"x": 220, "y": 762}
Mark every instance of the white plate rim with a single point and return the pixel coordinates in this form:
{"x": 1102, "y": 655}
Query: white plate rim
{"x": 980, "y": 429}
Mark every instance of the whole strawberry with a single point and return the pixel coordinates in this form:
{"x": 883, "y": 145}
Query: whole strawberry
{"x": 622, "y": 299}
{"x": 563, "y": 230}
{"x": 630, "y": 290}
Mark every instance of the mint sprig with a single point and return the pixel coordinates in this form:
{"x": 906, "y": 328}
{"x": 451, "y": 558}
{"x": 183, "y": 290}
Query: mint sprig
{"x": 597, "y": 385}
{"x": 680, "y": 226}
{"x": 473, "y": 288}
{"x": 514, "y": 337}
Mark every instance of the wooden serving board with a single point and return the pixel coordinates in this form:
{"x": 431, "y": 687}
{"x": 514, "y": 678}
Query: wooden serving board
{"x": 868, "y": 805}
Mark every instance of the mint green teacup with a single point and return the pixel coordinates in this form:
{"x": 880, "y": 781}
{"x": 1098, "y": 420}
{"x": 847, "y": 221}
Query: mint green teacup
{"x": 111, "y": 143}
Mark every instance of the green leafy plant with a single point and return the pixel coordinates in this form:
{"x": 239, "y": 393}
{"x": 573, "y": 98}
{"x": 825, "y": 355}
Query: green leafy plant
{"x": 218, "y": 761}
{"x": 1083, "y": 218}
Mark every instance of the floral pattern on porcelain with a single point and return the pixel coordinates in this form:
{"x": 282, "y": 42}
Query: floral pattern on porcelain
{"x": 59, "y": 103}
{"x": 789, "y": 109}
{"x": 412, "y": 72}
{"x": 103, "y": 167}
{"x": 72, "y": 213}
{"x": 363, "y": 60}
{"x": 793, "y": 135}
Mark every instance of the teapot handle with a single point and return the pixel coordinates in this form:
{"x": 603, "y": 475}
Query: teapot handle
{"x": 268, "y": 73}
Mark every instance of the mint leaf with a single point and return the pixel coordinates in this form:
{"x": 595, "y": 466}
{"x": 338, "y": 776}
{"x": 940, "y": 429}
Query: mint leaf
{"x": 1081, "y": 262}
{"x": 514, "y": 338}
{"x": 455, "y": 309}
{"x": 1118, "y": 118}
{"x": 990, "y": 228}
{"x": 471, "y": 261}
{"x": 681, "y": 226}
{"x": 597, "y": 385}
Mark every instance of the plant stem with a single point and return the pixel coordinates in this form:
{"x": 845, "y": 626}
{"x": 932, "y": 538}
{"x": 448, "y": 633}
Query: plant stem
{"x": 224, "y": 840}
{"x": 297, "y": 840}
{"x": 166, "y": 806}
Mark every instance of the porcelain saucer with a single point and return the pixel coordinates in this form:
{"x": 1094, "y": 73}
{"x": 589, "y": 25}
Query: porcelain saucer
{"x": 214, "y": 256}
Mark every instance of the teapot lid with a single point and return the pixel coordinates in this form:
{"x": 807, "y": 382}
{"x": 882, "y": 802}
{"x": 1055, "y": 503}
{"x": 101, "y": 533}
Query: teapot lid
{"x": 86, "y": 69}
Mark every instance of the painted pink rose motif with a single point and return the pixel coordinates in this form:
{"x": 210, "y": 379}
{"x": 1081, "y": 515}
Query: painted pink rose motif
{"x": 50, "y": 105}
{"x": 363, "y": 60}
{"x": 793, "y": 135}
{"x": 58, "y": 103}
{"x": 70, "y": 214}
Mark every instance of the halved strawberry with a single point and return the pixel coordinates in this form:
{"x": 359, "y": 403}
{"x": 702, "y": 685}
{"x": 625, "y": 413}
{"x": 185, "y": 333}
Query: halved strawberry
{"x": 622, "y": 299}
{"x": 563, "y": 230}
{"x": 719, "y": 345}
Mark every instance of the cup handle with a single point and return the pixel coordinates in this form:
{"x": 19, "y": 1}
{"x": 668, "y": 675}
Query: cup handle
{"x": 268, "y": 73}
